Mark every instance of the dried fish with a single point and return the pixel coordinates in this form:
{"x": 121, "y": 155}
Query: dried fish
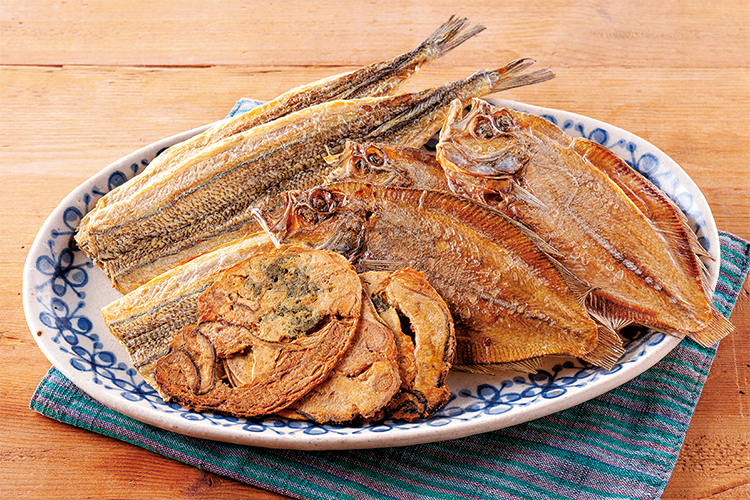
{"x": 146, "y": 320}
{"x": 424, "y": 333}
{"x": 508, "y": 299}
{"x": 374, "y": 80}
{"x": 610, "y": 226}
{"x": 362, "y": 383}
{"x": 207, "y": 200}
{"x": 282, "y": 319}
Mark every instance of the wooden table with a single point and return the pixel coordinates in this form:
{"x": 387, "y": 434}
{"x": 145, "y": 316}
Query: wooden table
{"x": 82, "y": 84}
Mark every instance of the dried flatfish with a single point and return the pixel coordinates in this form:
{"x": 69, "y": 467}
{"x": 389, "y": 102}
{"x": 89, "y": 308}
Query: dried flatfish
{"x": 363, "y": 382}
{"x": 508, "y": 299}
{"x": 610, "y": 226}
{"x": 423, "y": 329}
{"x": 374, "y": 80}
{"x": 287, "y": 316}
{"x": 207, "y": 200}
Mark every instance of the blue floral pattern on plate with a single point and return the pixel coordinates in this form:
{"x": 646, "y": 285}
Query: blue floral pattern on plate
{"x": 64, "y": 293}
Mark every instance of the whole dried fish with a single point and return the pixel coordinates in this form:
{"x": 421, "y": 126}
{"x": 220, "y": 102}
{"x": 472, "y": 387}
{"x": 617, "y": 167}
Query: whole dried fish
{"x": 610, "y": 226}
{"x": 508, "y": 300}
{"x": 207, "y": 200}
{"x": 279, "y": 321}
{"x": 374, "y": 80}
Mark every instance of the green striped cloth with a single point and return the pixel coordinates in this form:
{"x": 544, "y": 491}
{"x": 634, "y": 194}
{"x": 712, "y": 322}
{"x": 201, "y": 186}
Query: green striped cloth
{"x": 621, "y": 445}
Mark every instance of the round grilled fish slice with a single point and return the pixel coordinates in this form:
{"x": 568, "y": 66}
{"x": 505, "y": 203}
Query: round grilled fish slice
{"x": 424, "y": 331}
{"x": 290, "y": 313}
{"x": 518, "y": 164}
{"x": 362, "y": 383}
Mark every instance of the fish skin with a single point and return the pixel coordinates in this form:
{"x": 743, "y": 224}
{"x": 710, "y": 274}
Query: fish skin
{"x": 377, "y": 79}
{"x": 560, "y": 188}
{"x": 508, "y": 300}
{"x": 207, "y": 200}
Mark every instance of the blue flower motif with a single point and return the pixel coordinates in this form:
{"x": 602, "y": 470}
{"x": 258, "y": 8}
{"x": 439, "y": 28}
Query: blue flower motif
{"x": 63, "y": 272}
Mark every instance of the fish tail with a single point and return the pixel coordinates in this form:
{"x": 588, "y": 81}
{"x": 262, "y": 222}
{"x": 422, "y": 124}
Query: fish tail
{"x": 511, "y": 75}
{"x": 449, "y": 36}
{"x": 718, "y": 328}
{"x": 608, "y": 350}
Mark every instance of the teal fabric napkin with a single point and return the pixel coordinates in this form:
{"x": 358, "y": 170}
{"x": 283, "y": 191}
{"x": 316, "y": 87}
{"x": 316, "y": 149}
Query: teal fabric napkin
{"x": 621, "y": 445}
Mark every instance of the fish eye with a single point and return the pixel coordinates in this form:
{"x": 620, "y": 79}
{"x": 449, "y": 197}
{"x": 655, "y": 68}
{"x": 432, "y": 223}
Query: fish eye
{"x": 375, "y": 157}
{"x": 483, "y": 128}
{"x": 319, "y": 202}
{"x": 308, "y": 214}
{"x": 361, "y": 165}
{"x": 504, "y": 123}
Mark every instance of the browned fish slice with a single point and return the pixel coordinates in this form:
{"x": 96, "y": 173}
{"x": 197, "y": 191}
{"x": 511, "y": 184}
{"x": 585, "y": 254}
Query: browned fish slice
{"x": 424, "y": 332}
{"x": 290, "y": 314}
{"x": 566, "y": 193}
{"x": 362, "y": 383}
{"x": 509, "y": 301}
{"x": 388, "y": 165}
{"x": 377, "y": 79}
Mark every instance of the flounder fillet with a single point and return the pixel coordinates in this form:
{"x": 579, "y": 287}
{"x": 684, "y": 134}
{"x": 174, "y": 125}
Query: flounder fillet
{"x": 362, "y": 383}
{"x": 374, "y": 80}
{"x": 508, "y": 299}
{"x": 609, "y": 226}
{"x": 281, "y": 319}
{"x": 207, "y": 200}
{"x": 426, "y": 341}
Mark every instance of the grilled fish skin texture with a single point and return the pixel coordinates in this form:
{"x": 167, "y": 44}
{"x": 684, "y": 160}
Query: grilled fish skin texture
{"x": 561, "y": 189}
{"x": 377, "y": 79}
{"x": 208, "y": 199}
{"x": 284, "y": 318}
{"x": 508, "y": 300}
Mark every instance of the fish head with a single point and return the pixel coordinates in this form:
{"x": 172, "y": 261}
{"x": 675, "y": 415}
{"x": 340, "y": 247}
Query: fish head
{"x": 371, "y": 163}
{"x": 482, "y": 147}
{"x": 323, "y": 218}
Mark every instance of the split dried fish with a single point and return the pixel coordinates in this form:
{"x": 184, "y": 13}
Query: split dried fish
{"x": 374, "y": 80}
{"x": 207, "y": 200}
{"x": 610, "y": 226}
{"x": 279, "y": 322}
{"x": 508, "y": 300}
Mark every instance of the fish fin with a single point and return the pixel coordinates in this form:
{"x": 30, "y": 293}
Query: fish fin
{"x": 654, "y": 204}
{"x": 526, "y": 196}
{"x": 448, "y": 36}
{"x": 530, "y": 365}
{"x": 508, "y": 76}
{"x": 608, "y": 350}
{"x": 718, "y": 328}
{"x": 380, "y": 265}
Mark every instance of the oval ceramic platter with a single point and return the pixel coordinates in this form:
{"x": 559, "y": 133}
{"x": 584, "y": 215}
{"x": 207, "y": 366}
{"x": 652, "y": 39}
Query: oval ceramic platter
{"x": 64, "y": 293}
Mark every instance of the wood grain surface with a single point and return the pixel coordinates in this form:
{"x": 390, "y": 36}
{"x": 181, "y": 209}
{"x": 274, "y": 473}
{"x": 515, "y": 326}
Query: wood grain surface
{"x": 84, "y": 83}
